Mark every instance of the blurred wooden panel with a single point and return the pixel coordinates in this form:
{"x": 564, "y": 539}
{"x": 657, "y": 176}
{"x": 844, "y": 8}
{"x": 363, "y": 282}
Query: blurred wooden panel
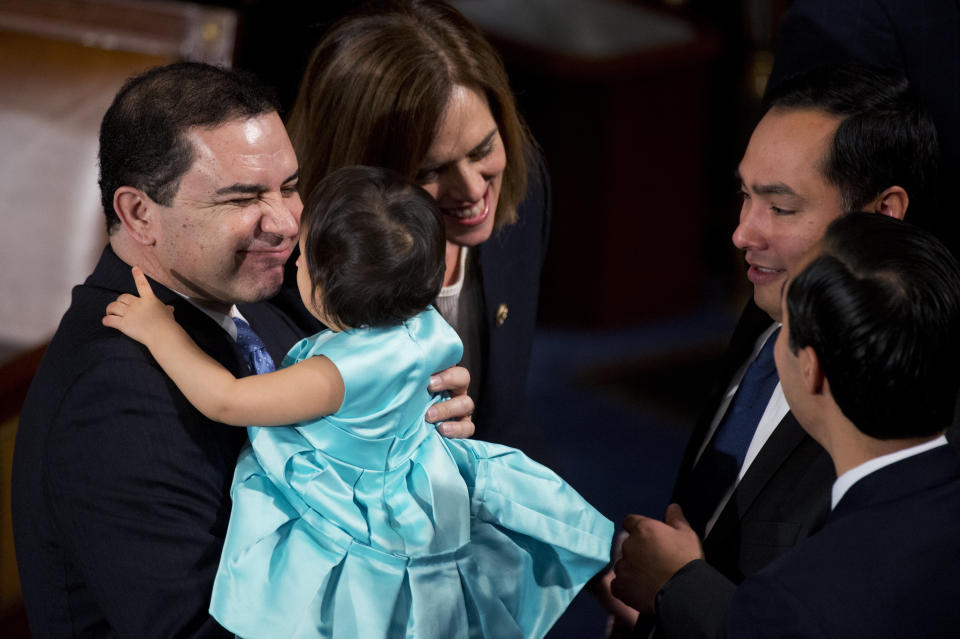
{"x": 618, "y": 97}
{"x": 52, "y": 97}
{"x": 61, "y": 62}
{"x": 171, "y": 30}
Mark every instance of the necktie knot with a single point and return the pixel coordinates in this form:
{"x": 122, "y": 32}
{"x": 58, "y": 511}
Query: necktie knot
{"x": 252, "y": 348}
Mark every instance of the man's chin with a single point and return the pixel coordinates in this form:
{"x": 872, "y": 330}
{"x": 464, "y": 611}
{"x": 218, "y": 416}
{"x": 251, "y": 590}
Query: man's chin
{"x": 261, "y": 290}
{"x": 767, "y": 301}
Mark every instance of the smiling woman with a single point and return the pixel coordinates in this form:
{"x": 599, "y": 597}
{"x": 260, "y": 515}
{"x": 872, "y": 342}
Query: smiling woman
{"x": 415, "y": 87}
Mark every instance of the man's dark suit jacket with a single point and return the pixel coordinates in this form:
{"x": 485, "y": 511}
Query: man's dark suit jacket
{"x": 920, "y": 38}
{"x": 120, "y": 487}
{"x": 783, "y": 497}
{"x": 884, "y": 565}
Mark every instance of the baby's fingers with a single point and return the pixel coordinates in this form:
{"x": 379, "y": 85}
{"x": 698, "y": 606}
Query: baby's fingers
{"x": 117, "y": 308}
{"x": 143, "y": 286}
{"x": 112, "y": 321}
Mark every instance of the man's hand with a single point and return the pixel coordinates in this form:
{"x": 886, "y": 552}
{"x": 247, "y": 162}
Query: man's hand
{"x": 456, "y": 413}
{"x": 652, "y": 554}
{"x": 143, "y": 318}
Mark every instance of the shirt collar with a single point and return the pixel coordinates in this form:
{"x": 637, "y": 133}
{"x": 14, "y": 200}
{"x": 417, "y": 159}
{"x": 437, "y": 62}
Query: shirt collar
{"x": 855, "y": 474}
{"x": 224, "y": 320}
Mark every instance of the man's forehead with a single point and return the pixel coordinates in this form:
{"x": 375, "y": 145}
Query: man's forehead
{"x": 788, "y": 147}
{"x": 255, "y": 148}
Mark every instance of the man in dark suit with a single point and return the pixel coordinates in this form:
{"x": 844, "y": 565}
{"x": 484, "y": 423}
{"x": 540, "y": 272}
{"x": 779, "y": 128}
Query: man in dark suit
{"x": 867, "y": 358}
{"x": 832, "y": 140}
{"x": 120, "y": 487}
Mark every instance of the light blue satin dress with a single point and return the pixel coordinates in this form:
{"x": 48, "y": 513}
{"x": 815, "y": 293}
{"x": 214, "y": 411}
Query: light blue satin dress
{"x": 367, "y": 523}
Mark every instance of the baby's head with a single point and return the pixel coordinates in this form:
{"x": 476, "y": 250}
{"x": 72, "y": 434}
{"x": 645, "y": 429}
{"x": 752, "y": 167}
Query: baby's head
{"x": 373, "y": 247}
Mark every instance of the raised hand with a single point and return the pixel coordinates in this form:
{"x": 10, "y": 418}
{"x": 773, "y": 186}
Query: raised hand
{"x": 144, "y": 318}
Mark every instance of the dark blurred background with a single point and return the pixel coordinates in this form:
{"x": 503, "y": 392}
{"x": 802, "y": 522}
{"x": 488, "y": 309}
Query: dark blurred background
{"x": 642, "y": 108}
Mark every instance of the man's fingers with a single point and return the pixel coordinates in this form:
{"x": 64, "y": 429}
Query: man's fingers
{"x": 454, "y": 408}
{"x": 143, "y": 286}
{"x": 675, "y": 519}
{"x": 634, "y": 523}
{"x": 458, "y": 429}
{"x": 455, "y": 379}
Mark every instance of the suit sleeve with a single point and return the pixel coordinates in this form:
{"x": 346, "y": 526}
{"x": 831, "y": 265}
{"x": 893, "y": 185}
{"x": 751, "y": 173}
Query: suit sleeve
{"x": 762, "y": 608}
{"x": 140, "y": 483}
{"x": 693, "y": 604}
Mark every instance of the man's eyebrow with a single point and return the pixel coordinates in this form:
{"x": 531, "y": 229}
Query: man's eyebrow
{"x": 251, "y": 189}
{"x": 775, "y": 188}
{"x": 243, "y": 189}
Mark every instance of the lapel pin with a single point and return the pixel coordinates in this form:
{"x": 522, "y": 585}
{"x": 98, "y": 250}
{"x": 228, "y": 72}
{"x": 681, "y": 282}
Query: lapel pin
{"x": 502, "y": 312}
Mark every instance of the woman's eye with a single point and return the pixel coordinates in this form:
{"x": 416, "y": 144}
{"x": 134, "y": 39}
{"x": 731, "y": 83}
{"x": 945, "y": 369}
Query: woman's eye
{"x": 423, "y": 177}
{"x": 482, "y": 152}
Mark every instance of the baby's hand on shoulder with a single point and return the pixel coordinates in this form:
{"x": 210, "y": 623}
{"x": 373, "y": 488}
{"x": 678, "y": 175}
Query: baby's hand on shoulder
{"x": 142, "y": 318}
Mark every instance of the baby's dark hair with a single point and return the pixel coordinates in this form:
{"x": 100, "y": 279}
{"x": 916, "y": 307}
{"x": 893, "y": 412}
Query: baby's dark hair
{"x": 374, "y": 245}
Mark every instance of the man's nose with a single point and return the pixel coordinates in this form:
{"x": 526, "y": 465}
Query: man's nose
{"x": 282, "y": 216}
{"x": 748, "y": 234}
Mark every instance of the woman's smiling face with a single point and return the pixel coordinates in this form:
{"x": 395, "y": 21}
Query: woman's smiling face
{"x": 463, "y": 169}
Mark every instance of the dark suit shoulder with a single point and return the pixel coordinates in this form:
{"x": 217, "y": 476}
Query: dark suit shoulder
{"x": 883, "y": 565}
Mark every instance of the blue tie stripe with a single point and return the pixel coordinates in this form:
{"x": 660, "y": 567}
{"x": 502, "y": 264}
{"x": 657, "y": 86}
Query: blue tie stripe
{"x": 719, "y": 465}
{"x": 253, "y": 349}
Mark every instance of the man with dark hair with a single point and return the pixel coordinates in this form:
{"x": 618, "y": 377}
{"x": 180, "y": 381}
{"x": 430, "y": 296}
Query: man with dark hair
{"x": 919, "y": 38}
{"x": 752, "y": 483}
{"x": 867, "y": 357}
{"x": 120, "y": 487}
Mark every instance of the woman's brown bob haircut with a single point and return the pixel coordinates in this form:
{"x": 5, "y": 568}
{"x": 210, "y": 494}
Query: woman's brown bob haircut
{"x": 378, "y": 83}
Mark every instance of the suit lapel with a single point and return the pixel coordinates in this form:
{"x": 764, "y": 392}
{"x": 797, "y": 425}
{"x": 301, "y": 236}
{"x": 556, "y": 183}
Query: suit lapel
{"x": 752, "y": 323}
{"x": 782, "y": 442}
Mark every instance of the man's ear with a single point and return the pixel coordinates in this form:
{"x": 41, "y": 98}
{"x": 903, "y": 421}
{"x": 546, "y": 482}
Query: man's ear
{"x": 137, "y": 212}
{"x": 813, "y": 377}
{"x": 892, "y": 201}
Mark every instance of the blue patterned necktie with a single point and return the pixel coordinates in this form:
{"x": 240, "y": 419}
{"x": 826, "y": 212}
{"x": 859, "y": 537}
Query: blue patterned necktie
{"x": 254, "y": 351}
{"x": 720, "y": 463}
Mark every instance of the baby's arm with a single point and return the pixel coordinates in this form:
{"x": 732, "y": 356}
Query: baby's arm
{"x": 307, "y": 390}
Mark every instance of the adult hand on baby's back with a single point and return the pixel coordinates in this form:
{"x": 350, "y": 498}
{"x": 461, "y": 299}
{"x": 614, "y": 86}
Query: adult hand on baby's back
{"x": 456, "y": 413}
{"x": 140, "y": 317}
